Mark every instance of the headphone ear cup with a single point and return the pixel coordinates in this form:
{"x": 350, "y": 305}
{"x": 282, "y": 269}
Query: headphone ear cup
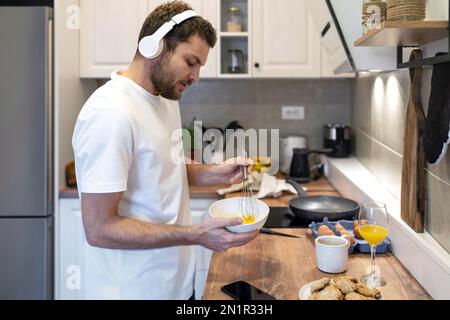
{"x": 150, "y": 47}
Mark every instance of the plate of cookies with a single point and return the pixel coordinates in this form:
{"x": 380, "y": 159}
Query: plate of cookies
{"x": 339, "y": 288}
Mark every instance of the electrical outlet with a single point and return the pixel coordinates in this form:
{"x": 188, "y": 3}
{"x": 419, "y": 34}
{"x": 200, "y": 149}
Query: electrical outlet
{"x": 292, "y": 112}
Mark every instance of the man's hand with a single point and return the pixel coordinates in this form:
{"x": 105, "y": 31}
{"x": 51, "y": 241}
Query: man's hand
{"x": 230, "y": 171}
{"x": 213, "y": 235}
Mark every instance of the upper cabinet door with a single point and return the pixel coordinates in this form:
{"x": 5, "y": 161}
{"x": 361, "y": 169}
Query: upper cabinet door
{"x": 109, "y": 34}
{"x": 285, "y": 41}
{"x": 208, "y": 10}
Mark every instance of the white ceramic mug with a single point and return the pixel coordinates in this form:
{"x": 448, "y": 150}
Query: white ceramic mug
{"x": 332, "y": 253}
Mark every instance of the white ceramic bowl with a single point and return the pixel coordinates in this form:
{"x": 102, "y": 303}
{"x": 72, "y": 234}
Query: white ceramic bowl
{"x": 228, "y": 208}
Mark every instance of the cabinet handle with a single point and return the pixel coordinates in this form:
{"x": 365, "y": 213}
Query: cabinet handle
{"x": 256, "y": 65}
{"x": 325, "y": 30}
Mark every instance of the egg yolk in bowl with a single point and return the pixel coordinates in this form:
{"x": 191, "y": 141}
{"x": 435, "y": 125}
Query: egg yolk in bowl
{"x": 248, "y": 219}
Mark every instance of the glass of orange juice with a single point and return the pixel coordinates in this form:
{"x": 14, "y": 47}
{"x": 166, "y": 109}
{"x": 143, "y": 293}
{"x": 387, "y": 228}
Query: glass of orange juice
{"x": 374, "y": 228}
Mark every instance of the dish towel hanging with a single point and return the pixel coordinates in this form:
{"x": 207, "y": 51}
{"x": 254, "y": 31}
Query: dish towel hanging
{"x": 437, "y": 127}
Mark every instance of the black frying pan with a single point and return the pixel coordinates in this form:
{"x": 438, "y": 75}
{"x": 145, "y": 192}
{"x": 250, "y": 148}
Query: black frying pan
{"x": 315, "y": 208}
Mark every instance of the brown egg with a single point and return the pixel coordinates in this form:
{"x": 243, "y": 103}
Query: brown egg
{"x": 324, "y": 230}
{"x": 339, "y": 227}
{"x": 352, "y": 240}
{"x": 356, "y": 232}
{"x": 346, "y": 232}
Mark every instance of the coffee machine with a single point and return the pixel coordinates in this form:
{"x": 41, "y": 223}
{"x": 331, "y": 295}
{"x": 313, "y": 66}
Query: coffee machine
{"x": 338, "y": 138}
{"x": 300, "y": 170}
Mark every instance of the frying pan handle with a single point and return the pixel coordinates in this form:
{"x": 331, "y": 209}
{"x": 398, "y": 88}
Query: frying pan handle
{"x": 301, "y": 192}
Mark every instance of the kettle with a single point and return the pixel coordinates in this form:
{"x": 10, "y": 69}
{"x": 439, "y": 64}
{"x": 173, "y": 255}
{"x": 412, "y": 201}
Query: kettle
{"x": 299, "y": 170}
{"x": 287, "y": 145}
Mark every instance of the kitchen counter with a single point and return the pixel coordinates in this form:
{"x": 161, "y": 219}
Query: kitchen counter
{"x": 280, "y": 266}
{"x": 321, "y": 186}
{"x": 194, "y": 190}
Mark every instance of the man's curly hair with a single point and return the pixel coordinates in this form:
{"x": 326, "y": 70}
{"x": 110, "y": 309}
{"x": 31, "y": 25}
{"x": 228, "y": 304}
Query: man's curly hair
{"x": 180, "y": 33}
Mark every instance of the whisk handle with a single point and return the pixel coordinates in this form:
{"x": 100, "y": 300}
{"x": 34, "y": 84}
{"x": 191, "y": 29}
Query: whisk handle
{"x": 244, "y": 171}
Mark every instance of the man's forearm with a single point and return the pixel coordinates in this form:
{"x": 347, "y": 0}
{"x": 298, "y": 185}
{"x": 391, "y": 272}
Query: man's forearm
{"x": 201, "y": 174}
{"x": 126, "y": 233}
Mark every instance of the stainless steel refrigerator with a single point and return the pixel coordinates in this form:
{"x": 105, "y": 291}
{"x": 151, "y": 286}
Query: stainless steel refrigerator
{"x": 26, "y": 153}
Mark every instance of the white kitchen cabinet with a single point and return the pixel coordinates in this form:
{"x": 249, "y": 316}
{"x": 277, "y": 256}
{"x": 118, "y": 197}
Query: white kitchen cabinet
{"x": 70, "y": 243}
{"x": 110, "y": 31}
{"x": 199, "y": 211}
{"x": 72, "y": 239}
{"x": 284, "y": 40}
{"x": 277, "y": 40}
{"x": 109, "y": 35}
{"x": 234, "y": 38}
{"x": 208, "y": 10}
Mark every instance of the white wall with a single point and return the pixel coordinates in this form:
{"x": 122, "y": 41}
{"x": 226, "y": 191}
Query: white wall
{"x": 70, "y": 94}
{"x": 70, "y": 91}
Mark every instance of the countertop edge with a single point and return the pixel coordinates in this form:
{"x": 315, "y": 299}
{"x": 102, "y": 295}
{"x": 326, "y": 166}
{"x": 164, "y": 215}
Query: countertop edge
{"x": 72, "y": 193}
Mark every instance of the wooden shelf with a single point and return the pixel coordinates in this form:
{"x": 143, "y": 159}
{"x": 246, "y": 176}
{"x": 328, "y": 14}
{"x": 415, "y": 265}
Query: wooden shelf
{"x": 404, "y": 34}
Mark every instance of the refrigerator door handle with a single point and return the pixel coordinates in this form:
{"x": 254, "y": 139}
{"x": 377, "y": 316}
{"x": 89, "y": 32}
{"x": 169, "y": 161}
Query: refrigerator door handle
{"x": 49, "y": 116}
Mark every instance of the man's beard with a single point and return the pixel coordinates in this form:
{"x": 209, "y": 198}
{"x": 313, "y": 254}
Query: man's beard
{"x": 164, "y": 79}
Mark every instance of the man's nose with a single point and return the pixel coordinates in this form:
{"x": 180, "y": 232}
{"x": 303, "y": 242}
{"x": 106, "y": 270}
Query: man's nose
{"x": 195, "y": 75}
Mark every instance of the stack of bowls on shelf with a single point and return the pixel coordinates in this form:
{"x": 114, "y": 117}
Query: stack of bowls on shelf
{"x": 406, "y": 10}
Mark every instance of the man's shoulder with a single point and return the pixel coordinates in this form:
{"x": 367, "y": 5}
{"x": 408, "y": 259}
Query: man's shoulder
{"x": 110, "y": 95}
{"x": 113, "y": 91}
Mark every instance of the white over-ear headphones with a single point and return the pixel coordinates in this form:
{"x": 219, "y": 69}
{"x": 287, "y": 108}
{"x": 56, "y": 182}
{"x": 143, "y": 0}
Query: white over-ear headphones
{"x": 151, "y": 46}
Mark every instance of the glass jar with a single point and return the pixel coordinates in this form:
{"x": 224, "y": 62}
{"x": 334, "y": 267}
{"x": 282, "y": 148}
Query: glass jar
{"x": 234, "y": 19}
{"x": 235, "y": 61}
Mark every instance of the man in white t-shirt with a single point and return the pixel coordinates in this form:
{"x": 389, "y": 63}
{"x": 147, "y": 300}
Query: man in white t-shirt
{"x": 135, "y": 197}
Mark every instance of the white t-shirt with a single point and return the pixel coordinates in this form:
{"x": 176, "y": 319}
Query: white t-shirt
{"x": 122, "y": 142}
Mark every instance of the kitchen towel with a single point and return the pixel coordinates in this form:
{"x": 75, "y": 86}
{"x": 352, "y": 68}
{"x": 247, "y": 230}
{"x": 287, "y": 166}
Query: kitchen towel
{"x": 437, "y": 127}
{"x": 266, "y": 185}
{"x": 273, "y": 187}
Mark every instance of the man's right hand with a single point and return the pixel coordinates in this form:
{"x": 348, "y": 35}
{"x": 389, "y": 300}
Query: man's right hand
{"x": 213, "y": 235}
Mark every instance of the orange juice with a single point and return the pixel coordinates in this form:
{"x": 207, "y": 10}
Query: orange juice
{"x": 373, "y": 234}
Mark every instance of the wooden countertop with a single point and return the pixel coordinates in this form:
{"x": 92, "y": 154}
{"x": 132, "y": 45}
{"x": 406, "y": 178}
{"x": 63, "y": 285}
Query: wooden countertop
{"x": 282, "y": 265}
{"x": 318, "y": 187}
{"x": 194, "y": 190}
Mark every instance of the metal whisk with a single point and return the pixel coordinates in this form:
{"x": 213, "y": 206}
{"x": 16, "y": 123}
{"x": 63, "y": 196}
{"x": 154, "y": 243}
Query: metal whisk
{"x": 248, "y": 207}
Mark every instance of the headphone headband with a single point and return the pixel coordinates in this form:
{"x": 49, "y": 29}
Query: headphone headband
{"x": 184, "y": 16}
{"x": 151, "y": 46}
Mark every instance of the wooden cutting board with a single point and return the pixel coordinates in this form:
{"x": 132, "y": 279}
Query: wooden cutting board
{"x": 413, "y": 170}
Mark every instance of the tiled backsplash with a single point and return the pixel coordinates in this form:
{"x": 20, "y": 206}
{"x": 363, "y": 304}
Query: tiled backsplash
{"x": 379, "y": 112}
{"x": 257, "y": 104}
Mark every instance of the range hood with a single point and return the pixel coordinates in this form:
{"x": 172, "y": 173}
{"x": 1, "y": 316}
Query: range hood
{"x": 340, "y": 23}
